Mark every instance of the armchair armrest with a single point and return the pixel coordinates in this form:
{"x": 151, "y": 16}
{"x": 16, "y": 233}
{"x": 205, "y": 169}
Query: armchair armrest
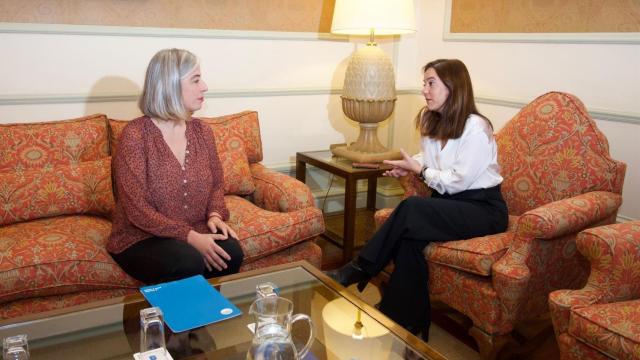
{"x": 413, "y": 186}
{"x": 279, "y": 192}
{"x": 511, "y": 275}
{"x": 569, "y": 215}
{"x": 614, "y": 254}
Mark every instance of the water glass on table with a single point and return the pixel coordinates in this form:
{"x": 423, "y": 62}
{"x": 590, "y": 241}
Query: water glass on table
{"x": 151, "y": 329}
{"x": 15, "y": 348}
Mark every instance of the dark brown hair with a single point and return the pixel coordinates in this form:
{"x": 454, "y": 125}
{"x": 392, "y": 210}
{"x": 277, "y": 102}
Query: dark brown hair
{"x": 450, "y": 121}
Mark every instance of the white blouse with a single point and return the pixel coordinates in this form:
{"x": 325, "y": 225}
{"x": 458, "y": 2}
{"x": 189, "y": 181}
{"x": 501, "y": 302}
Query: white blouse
{"x": 468, "y": 162}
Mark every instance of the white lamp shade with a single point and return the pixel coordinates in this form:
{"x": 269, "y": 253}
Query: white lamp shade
{"x": 385, "y": 17}
{"x": 338, "y": 319}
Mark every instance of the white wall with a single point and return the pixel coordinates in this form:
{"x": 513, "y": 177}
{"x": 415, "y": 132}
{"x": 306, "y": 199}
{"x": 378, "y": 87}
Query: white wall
{"x": 292, "y": 80}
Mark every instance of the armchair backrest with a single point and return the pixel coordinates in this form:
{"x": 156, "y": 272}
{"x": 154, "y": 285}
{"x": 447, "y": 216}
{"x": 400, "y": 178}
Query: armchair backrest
{"x": 551, "y": 150}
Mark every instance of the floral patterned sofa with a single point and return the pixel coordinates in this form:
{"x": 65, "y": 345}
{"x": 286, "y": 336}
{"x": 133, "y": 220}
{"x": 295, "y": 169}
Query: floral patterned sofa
{"x": 602, "y": 320}
{"x": 56, "y": 201}
{"x": 558, "y": 180}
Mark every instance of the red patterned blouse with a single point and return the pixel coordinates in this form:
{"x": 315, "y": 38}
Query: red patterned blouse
{"x": 155, "y": 195}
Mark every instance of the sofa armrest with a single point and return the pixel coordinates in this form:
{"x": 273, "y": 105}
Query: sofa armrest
{"x": 568, "y": 216}
{"x": 614, "y": 253}
{"x": 279, "y": 192}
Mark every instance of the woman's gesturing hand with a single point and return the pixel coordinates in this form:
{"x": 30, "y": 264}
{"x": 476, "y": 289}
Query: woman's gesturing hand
{"x": 403, "y": 167}
{"x": 214, "y": 256}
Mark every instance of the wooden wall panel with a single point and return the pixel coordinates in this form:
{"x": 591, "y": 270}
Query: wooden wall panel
{"x": 544, "y": 16}
{"x": 257, "y": 15}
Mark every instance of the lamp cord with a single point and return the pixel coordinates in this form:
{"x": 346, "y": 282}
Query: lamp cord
{"x": 324, "y": 200}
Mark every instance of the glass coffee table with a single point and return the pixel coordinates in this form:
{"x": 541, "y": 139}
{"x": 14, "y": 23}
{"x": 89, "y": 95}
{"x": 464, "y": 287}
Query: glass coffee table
{"x": 110, "y": 329}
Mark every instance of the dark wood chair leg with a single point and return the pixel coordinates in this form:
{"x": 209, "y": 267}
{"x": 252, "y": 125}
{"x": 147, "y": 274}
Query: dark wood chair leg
{"x": 489, "y": 345}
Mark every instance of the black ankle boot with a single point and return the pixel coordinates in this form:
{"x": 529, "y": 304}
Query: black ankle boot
{"x": 349, "y": 274}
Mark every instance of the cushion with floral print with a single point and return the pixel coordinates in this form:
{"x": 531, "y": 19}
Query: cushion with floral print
{"x": 47, "y": 144}
{"x": 57, "y": 255}
{"x": 83, "y": 188}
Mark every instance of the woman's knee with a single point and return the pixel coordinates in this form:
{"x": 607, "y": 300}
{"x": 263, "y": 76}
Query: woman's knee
{"x": 189, "y": 263}
{"x": 233, "y": 248}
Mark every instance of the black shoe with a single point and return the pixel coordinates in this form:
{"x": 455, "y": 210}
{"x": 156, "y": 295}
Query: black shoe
{"x": 349, "y": 274}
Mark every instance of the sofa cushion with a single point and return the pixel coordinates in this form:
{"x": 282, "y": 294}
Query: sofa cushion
{"x": 36, "y": 305}
{"x": 82, "y": 188}
{"x": 48, "y": 144}
{"x": 306, "y": 250}
{"x": 612, "y": 328}
{"x": 475, "y": 255}
{"x": 231, "y": 151}
{"x": 56, "y": 256}
{"x": 115, "y": 130}
{"x": 237, "y": 175}
{"x": 243, "y": 125}
{"x": 263, "y": 232}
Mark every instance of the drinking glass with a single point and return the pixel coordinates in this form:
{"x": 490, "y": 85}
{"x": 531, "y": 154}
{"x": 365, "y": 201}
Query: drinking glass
{"x": 151, "y": 329}
{"x": 15, "y": 348}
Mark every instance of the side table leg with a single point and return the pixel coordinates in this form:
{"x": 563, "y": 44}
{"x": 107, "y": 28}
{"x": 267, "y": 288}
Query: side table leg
{"x": 301, "y": 170}
{"x": 349, "y": 219}
{"x": 372, "y": 187}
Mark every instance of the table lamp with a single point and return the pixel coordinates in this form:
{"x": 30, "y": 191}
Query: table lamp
{"x": 369, "y": 91}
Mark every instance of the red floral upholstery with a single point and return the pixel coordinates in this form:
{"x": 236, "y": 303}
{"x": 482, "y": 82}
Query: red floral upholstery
{"x": 605, "y": 314}
{"x": 57, "y": 255}
{"x": 44, "y": 145}
{"x": 56, "y": 201}
{"x": 558, "y": 180}
{"x": 243, "y": 126}
{"x": 262, "y": 232}
{"x": 80, "y": 188}
{"x": 54, "y": 302}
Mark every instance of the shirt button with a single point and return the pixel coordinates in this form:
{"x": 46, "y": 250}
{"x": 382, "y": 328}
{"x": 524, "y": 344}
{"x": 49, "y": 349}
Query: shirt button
{"x": 187, "y": 151}
{"x": 185, "y": 206}
{"x": 185, "y": 194}
{"x": 183, "y": 168}
{"x": 184, "y": 181}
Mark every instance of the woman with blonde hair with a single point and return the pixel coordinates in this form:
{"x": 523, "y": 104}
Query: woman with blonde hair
{"x": 170, "y": 215}
{"x": 458, "y": 161}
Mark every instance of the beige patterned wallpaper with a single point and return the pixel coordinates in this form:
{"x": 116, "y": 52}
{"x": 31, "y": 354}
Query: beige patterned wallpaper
{"x": 544, "y": 16}
{"x": 265, "y": 15}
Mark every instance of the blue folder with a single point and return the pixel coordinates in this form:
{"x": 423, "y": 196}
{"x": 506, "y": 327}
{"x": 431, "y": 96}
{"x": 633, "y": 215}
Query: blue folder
{"x": 189, "y": 303}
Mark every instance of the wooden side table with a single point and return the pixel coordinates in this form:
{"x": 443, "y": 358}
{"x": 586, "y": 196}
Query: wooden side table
{"x": 342, "y": 167}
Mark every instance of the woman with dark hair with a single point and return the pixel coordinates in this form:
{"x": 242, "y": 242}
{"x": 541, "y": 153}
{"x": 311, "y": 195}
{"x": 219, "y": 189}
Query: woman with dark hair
{"x": 169, "y": 221}
{"x": 458, "y": 161}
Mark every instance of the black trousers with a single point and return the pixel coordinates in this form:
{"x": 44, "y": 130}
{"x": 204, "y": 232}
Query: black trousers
{"x": 416, "y": 222}
{"x": 157, "y": 260}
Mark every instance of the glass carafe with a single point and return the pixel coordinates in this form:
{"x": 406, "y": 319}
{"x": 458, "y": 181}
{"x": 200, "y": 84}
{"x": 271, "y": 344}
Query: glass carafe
{"x": 272, "y": 337}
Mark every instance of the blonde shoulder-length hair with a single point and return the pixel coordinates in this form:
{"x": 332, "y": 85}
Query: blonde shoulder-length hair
{"x": 162, "y": 93}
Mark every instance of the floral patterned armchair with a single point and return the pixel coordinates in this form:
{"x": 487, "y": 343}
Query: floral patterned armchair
{"x": 558, "y": 180}
{"x": 602, "y": 320}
